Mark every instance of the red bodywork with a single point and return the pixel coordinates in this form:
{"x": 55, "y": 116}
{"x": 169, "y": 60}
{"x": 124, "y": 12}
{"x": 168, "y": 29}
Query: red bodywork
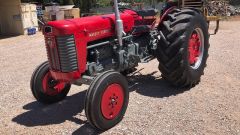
{"x": 86, "y": 30}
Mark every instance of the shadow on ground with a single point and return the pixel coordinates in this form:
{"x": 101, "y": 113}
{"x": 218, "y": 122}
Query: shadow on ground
{"x": 42, "y": 115}
{"x": 39, "y": 115}
{"x": 153, "y": 86}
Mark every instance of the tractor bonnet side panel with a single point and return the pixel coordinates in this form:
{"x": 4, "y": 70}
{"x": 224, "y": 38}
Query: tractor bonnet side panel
{"x": 95, "y": 27}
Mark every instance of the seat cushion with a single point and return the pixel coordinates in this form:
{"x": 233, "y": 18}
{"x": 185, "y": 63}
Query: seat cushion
{"x": 148, "y": 12}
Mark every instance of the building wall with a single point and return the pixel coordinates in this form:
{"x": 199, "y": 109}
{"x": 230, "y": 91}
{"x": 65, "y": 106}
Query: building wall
{"x": 10, "y": 17}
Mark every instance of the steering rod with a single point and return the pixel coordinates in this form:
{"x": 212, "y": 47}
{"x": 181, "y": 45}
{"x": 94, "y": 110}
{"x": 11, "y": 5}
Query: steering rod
{"x": 119, "y": 24}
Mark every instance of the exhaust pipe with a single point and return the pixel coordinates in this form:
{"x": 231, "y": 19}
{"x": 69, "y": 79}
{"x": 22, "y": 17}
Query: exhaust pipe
{"x": 119, "y": 24}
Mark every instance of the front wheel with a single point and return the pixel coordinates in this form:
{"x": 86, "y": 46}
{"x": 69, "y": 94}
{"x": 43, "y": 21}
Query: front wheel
{"x": 107, "y": 100}
{"x": 45, "y": 89}
{"x": 183, "y": 51}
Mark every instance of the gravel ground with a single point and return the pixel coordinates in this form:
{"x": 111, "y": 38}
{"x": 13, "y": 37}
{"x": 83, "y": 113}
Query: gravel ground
{"x": 212, "y": 107}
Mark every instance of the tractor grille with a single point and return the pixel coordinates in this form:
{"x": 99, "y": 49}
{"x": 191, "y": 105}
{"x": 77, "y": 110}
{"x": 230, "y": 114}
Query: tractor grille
{"x": 61, "y": 53}
{"x": 52, "y": 53}
{"x": 67, "y": 53}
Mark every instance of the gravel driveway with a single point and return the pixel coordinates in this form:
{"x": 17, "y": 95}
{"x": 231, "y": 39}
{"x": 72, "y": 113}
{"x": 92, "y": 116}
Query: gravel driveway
{"x": 212, "y": 107}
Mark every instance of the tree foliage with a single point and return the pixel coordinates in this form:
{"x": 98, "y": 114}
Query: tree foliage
{"x": 86, "y": 5}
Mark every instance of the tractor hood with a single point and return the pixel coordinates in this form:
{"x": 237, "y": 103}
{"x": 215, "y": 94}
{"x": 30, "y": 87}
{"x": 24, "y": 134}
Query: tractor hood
{"x": 90, "y": 25}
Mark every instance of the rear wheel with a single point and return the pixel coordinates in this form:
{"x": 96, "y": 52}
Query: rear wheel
{"x": 183, "y": 53}
{"x": 45, "y": 89}
{"x": 107, "y": 100}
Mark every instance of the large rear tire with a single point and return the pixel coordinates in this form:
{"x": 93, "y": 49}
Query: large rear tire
{"x": 183, "y": 53}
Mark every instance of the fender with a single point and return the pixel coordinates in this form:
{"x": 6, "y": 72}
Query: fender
{"x": 169, "y": 10}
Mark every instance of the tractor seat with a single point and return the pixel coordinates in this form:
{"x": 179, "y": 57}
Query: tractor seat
{"x": 141, "y": 29}
{"x": 148, "y": 12}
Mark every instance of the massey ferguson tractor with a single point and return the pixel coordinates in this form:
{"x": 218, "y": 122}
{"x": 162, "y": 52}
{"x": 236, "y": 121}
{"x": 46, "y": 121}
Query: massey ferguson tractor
{"x": 96, "y": 50}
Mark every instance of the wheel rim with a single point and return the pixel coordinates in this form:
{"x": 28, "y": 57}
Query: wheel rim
{"x": 196, "y": 48}
{"x": 112, "y": 101}
{"x": 52, "y": 87}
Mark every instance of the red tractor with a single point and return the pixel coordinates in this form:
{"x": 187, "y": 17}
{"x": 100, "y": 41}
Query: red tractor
{"x": 96, "y": 50}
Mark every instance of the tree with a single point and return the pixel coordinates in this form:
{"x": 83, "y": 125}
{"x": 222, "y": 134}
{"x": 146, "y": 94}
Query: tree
{"x": 85, "y": 5}
{"x": 68, "y": 2}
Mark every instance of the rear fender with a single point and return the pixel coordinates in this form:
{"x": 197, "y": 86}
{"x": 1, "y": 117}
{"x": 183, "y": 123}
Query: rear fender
{"x": 164, "y": 15}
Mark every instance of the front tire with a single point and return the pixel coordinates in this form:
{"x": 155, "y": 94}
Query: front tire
{"x": 107, "y": 100}
{"x": 183, "y": 52}
{"x": 45, "y": 89}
